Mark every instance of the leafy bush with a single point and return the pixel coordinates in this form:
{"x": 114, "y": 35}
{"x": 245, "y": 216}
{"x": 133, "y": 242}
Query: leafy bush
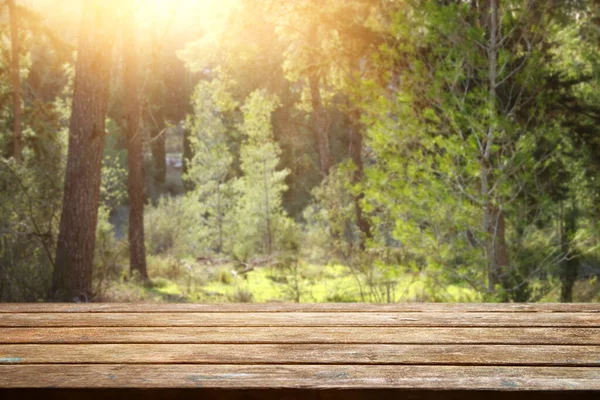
{"x": 241, "y": 296}
{"x": 30, "y": 207}
{"x": 110, "y": 255}
{"x": 175, "y": 227}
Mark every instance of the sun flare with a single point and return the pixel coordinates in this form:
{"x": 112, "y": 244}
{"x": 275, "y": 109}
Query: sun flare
{"x": 204, "y": 14}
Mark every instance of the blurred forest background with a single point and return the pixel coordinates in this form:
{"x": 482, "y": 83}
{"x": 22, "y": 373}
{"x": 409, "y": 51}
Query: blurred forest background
{"x": 300, "y": 150}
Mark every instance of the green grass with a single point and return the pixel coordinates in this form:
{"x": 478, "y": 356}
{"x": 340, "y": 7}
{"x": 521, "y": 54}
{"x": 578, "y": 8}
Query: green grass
{"x": 316, "y": 284}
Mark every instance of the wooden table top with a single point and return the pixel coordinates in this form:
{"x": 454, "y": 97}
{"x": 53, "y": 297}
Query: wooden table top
{"x": 498, "y": 347}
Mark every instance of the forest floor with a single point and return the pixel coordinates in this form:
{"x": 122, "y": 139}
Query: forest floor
{"x": 173, "y": 280}
{"x": 176, "y": 281}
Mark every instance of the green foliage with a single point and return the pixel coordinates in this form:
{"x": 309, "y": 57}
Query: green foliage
{"x": 109, "y": 254}
{"x": 30, "y": 204}
{"x": 457, "y": 136}
{"x": 331, "y": 220}
{"x": 29, "y": 216}
{"x": 259, "y": 214}
{"x": 113, "y": 189}
{"x": 175, "y": 227}
{"x": 210, "y": 170}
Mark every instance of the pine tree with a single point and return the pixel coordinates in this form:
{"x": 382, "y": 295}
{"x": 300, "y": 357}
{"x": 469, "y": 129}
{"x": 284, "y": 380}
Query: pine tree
{"x": 135, "y": 182}
{"x": 210, "y": 170}
{"x": 76, "y": 240}
{"x": 260, "y": 211}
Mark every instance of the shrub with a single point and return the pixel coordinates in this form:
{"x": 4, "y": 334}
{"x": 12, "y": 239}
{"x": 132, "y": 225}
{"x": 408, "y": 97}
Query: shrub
{"x": 30, "y": 204}
{"x": 226, "y": 277}
{"x": 174, "y": 227}
{"x": 110, "y": 255}
{"x": 241, "y": 296}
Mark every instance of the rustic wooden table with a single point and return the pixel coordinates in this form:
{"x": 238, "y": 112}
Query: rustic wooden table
{"x": 301, "y": 350}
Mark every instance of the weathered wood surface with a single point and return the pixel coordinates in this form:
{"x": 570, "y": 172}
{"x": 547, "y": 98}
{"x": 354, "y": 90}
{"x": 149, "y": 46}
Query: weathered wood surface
{"x": 283, "y": 319}
{"x": 309, "y": 335}
{"x": 301, "y": 376}
{"x": 287, "y": 307}
{"x": 508, "y": 347}
{"x": 313, "y": 354}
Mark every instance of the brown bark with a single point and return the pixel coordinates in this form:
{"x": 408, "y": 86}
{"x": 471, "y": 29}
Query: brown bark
{"x": 158, "y": 143}
{"x": 16, "y": 80}
{"x": 188, "y": 155}
{"x": 156, "y": 114}
{"x": 319, "y": 115}
{"x": 72, "y": 277}
{"x": 569, "y": 265}
{"x": 135, "y": 182}
{"x": 498, "y": 259}
{"x": 355, "y": 150}
{"x": 188, "y": 149}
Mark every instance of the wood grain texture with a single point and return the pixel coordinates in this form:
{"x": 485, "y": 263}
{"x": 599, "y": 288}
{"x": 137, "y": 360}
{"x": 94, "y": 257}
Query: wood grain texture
{"x": 300, "y": 376}
{"x": 287, "y": 394}
{"x": 286, "y": 307}
{"x": 301, "y": 354}
{"x": 305, "y": 347}
{"x": 456, "y": 319}
{"x": 315, "y": 335}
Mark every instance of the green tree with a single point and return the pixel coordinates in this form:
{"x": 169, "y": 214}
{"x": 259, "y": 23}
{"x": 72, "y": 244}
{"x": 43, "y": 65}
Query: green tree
{"x": 210, "y": 170}
{"x": 260, "y": 212}
{"x": 465, "y": 117}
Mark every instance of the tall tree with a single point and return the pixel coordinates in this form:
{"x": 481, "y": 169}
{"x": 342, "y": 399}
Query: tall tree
{"x": 493, "y": 214}
{"x": 262, "y": 186}
{"x": 210, "y": 169}
{"x": 464, "y": 111}
{"x": 355, "y": 148}
{"x": 135, "y": 182}
{"x": 318, "y": 111}
{"x": 352, "y": 42}
{"x": 155, "y": 111}
{"x": 72, "y": 278}
{"x": 15, "y": 68}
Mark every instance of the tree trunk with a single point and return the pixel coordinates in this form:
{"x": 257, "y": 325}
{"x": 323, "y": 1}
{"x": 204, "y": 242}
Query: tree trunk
{"x": 219, "y": 219}
{"x": 569, "y": 266}
{"x": 269, "y": 240}
{"x": 318, "y": 112}
{"x": 16, "y": 80}
{"x": 188, "y": 155}
{"x": 158, "y": 142}
{"x": 493, "y": 216}
{"x": 72, "y": 279}
{"x": 156, "y": 114}
{"x": 355, "y": 150}
{"x": 497, "y": 249}
{"x": 135, "y": 182}
{"x": 188, "y": 149}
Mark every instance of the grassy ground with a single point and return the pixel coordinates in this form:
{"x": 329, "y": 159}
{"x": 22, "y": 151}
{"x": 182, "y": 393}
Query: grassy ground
{"x": 190, "y": 282}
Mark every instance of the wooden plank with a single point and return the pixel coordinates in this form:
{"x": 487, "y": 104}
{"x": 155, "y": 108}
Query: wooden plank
{"x": 390, "y": 335}
{"x": 300, "y": 376}
{"x": 300, "y": 354}
{"x": 286, "y": 307}
{"x": 303, "y": 319}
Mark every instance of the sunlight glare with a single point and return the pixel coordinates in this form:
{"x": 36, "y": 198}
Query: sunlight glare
{"x": 204, "y": 14}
